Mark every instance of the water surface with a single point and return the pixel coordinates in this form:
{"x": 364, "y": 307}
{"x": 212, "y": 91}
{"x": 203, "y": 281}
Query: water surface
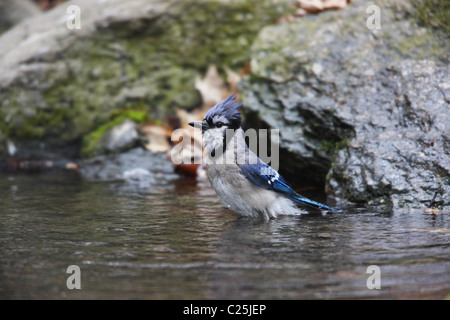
{"x": 172, "y": 239}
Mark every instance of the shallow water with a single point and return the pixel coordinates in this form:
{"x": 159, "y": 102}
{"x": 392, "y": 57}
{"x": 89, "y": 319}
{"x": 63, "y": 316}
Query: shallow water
{"x": 173, "y": 240}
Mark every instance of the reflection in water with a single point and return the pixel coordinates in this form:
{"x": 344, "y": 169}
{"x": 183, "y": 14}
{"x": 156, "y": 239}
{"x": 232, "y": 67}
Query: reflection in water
{"x": 174, "y": 240}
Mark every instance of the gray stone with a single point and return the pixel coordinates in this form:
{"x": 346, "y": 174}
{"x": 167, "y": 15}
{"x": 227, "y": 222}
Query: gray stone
{"x": 137, "y": 166}
{"x": 121, "y": 137}
{"x": 59, "y": 84}
{"x": 15, "y": 11}
{"x": 365, "y": 111}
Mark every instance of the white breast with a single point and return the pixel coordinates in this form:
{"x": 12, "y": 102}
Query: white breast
{"x": 241, "y": 195}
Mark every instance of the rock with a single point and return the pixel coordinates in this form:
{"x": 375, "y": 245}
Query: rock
{"x": 404, "y": 159}
{"x": 141, "y": 177}
{"x": 121, "y": 137}
{"x": 157, "y": 138}
{"x": 59, "y": 83}
{"x": 363, "y": 111}
{"x": 137, "y": 166}
{"x": 15, "y": 11}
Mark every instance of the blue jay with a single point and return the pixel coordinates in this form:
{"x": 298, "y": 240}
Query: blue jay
{"x": 244, "y": 183}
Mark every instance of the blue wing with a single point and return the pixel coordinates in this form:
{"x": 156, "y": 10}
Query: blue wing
{"x": 266, "y": 177}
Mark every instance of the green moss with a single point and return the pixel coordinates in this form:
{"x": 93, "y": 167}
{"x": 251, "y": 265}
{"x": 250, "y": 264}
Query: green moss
{"x": 153, "y": 62}
{"x": 433, "y": 14}
{"x": 91, "y": 140}
{"x": 418, "y": 46}
{"x": 333, "y": 147}
{"x": 22, "y": 120}
{"x": 132, "y": 114}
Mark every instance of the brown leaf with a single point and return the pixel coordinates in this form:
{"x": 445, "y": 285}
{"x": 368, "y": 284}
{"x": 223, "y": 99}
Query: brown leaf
{"x": 157, "y": 138}
{"x": 211, "y": 87}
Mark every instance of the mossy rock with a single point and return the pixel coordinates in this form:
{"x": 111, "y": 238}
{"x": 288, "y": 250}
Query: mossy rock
{"x": 360, "y": 111}
{"x": 92, "y": 142}
{"x": 66, "y": 85}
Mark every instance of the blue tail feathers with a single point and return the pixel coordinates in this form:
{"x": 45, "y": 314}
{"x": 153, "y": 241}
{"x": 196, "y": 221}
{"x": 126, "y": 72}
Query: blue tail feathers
{"x": 312, "y": 203}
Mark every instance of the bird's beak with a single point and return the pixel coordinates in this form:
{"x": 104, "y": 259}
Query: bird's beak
{"x": 202, "y": 125}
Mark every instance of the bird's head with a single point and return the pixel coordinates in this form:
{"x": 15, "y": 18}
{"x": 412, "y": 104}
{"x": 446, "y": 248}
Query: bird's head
{"x": 224, "y": 115}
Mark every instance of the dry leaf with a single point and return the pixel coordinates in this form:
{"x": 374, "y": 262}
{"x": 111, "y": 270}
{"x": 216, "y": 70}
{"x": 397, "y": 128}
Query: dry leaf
{"x": 433, "y": 211}
{"x": 310, "y": 6}
{"x": 211, "y": 87}
{"x": 232, "y": 79}
{"x": 186, "y": 117}
{"x": 334, "y": 4}
{"x": 157, "y": 138}
{"x": 440, "y": 230}
{"x": 315, "y": 6}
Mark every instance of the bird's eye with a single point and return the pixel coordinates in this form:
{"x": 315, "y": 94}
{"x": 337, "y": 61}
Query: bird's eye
{"x": 219, "y": 124}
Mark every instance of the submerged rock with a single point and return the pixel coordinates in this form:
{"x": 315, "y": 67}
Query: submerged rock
{"x": 364, "y": 111}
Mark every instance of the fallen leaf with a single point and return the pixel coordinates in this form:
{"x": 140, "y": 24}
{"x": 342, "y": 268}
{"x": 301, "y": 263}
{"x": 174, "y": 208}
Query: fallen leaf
{"x": 186, "y": 117}
{"x": 232, "y": 79}
{"x": 316, "y": 6}
{"x": 211, "y": 86}
{"x": 157, "y": 138}
{"x": 310, "y": 6}
{"x": 334, "y": 4}
{"x": 433, "y": 211}
{"x": 440, "y": 230}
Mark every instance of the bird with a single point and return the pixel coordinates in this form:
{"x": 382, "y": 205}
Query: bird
{"x": 245, "y": 183}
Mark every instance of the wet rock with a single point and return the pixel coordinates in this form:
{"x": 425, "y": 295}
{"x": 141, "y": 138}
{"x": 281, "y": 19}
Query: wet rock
{"x": 15, "y": 11}
{"x": 403, "y": 158}
{"x": 142, "y": 178}
{"x": 364, "y": 111}
{"x": 121, "y": 137}
{"x": 137, "y": 166}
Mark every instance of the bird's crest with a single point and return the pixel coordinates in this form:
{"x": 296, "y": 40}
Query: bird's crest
{"x": 228, "y": 108}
